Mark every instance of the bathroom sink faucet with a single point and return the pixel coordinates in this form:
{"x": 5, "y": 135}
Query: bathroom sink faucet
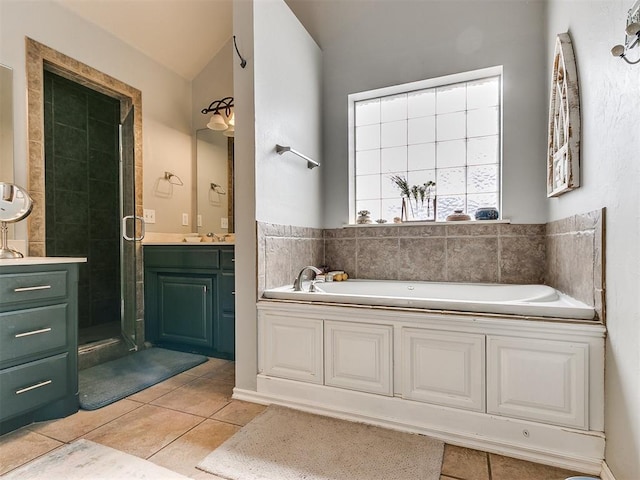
{"x": 297, "y": 283}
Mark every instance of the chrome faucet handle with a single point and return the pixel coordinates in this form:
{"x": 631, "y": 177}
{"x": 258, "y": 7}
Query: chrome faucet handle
{"x": 312, "y": 287}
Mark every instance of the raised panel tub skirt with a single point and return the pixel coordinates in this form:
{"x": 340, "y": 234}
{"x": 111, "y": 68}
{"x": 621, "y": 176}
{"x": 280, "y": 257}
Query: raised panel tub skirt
{"x": 524, "y": 300}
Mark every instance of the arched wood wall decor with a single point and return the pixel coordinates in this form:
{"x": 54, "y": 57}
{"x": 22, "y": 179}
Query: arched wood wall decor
{"x": 563, "y": 155}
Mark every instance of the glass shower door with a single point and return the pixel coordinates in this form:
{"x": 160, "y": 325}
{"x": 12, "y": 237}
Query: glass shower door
{"x": 132, "y": 231}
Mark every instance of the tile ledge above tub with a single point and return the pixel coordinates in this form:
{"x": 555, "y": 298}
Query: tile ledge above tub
{"x": 41, "y": 260}
{"x": 421, "y": 224}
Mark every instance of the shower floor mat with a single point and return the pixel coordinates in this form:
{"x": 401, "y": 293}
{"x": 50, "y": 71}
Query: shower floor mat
{"x": 111, "y": 381}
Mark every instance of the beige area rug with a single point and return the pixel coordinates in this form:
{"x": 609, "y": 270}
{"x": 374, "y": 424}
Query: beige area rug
{"x": 285, "y": 444}
{"x": 85, "y": 460}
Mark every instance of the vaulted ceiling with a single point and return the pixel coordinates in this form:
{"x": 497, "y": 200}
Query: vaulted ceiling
{"x": 182, "y": 35}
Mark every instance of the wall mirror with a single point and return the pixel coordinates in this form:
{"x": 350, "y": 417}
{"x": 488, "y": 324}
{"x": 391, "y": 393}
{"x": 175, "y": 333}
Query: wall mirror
{"x": 6, "y": 124}
{"x": 15, "y": 204}
{"x": 214, "y": 173}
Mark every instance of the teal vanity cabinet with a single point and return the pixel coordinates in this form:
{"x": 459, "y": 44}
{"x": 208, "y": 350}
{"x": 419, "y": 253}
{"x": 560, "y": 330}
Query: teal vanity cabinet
{"x": 189, "y": 298}
{"x": 38, "y": 340}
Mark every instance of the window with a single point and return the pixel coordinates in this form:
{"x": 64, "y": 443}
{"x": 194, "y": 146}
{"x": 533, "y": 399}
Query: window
{"x": 445, "y": 130}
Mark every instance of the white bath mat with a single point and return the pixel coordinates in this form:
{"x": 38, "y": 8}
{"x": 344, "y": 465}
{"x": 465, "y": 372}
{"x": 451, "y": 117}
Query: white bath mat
{"x": 285, "y": 444}
{"x": 85, "y": 460}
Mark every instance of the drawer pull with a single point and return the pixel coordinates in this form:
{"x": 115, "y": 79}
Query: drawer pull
{"x": 233, "y": 259}
{"x": 30, "y": 289}
{"x": 34, "y": 332}
{"x": 33, "y": 387}
{"x": 233, "y": 293}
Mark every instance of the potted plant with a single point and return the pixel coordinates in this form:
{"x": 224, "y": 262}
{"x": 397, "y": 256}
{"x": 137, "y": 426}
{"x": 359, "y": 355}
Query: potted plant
{"x": 414, "y": 198}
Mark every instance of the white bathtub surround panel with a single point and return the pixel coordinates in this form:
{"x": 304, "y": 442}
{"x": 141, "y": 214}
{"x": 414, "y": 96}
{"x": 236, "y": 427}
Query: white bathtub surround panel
{"x": 516, "y": 369}
{"x": 575, "y": 257}
{"x": 459, "y": 382}
{"x": 430, "y": 392}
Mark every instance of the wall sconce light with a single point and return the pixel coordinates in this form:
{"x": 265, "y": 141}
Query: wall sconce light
{"x": 632, "y": 35}
{"x": 222, "y": 119}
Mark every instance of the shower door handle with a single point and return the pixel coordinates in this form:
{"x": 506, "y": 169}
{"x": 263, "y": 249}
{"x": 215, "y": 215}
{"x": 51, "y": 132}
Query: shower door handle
{"x": 124, "y": 228}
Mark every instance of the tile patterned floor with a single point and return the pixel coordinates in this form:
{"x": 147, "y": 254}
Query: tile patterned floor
{"x": 178, "y": 422}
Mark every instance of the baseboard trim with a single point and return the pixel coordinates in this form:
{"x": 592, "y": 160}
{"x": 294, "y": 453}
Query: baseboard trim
{"x": 498, "y": 434}
{"x": 606, "y": 473}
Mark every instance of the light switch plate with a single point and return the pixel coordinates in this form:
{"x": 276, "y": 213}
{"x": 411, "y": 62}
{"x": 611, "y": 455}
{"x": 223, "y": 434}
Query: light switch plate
{"x": 224, "y": 222}
{"x": 199, "y": 220}
{"x": 185, "y": 219}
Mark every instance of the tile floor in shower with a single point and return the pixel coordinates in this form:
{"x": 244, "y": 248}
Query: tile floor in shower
{"x": 178, "y": 422}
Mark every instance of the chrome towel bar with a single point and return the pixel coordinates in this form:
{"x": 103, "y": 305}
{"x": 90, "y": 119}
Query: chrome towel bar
{"x": 310, "y": 163}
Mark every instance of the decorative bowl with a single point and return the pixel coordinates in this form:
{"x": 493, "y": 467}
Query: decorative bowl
{"x": 487, "y": 213}
{"x": 458, "y": 216}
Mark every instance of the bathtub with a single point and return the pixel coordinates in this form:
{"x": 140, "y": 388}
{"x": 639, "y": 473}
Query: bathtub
{"x": 525, "y": 300}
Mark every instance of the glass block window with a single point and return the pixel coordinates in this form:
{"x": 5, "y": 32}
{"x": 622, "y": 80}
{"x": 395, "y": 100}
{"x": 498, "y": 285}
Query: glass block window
{"x": 447, "y": 133}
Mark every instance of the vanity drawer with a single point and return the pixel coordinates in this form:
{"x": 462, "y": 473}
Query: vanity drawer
{"x": 32, "y": 385}
{"x": 194, "y": 256}
{"x": 227, "y": 259}
{"x": 30, "y": 331}
{"x": 28, "y": 287}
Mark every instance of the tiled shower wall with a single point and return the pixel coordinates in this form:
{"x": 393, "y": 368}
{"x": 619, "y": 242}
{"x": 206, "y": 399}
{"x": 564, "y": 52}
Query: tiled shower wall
{"x": 81, "y": 176}
{"x": 566, "y": 254}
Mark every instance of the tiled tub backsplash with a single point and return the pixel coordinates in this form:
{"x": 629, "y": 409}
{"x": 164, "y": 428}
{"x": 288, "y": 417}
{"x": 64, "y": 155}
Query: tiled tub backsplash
{"x": 494, "y": 253}
{"x": 575, "y": 258}
{"x": 283, "y": 250}
{"x": 566, "y": 254}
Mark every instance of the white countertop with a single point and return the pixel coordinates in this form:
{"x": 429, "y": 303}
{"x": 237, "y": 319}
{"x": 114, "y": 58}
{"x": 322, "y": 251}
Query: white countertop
{"x": 40, "y": 261}
{"x": 146, "y": 244}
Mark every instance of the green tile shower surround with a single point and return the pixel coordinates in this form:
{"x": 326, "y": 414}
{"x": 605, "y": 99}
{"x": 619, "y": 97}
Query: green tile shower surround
{"x": 81, "y": 174}
{"x": 566, "y": 254}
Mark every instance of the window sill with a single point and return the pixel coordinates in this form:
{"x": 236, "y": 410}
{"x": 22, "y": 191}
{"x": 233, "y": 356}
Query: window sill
{"x": 421, "y": 224}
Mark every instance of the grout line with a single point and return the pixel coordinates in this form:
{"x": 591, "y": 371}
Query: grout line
{"x": 174, "y": 440}
{"x": 489, "y": 465}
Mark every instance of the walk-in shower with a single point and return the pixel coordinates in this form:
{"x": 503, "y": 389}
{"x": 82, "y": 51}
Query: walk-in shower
{"x": 88, "y": 191}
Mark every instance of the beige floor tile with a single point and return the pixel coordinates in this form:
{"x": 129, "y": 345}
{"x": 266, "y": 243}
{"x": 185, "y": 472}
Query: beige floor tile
{"x": 443, "y": 477}
{"x": 84, "y": 421}
{"x": 465, "y": 463}
{"x": 144, "y": 431}
{"x": 201, "y": 397}
{"x": 190, "y": 449}
{"x": 22, "y": 446}
{"x": 239, "y": 412}
{"x": 506, "y": 468}
{"x": 225, "y": 373}
{"x": 207, "y": 367}
{"x": 156, "y": 391}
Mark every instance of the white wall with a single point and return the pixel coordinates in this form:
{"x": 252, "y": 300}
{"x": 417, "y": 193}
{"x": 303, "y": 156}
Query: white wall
{"x": 245, "y": 201}
{"x": 372, "y": 44}
{"x": 166, "y": 97}
{"x": 288, "y": 107}
{"x": 277, "y": 101}
{"x": 610, "y": 175}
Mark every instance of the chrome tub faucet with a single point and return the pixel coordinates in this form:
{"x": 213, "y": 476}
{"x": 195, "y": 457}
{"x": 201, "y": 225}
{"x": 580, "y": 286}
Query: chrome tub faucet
{"x": 297, "y": 283}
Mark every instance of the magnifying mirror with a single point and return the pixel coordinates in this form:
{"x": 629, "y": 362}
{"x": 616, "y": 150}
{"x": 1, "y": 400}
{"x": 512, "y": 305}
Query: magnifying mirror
{"x": 15, "y": 204}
